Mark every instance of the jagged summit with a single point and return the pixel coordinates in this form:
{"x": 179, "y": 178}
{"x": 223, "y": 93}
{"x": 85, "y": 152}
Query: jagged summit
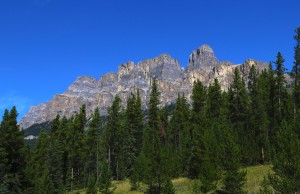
{"x": 203, "y": 65}
{"x": 202, "y": 57}
{"x": 205, "y": 48}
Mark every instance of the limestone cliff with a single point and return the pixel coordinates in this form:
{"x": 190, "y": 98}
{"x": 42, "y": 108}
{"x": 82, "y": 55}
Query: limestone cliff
{"x": 203, "y": 65}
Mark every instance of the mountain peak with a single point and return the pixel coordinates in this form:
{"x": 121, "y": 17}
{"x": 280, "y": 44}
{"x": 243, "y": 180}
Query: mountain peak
{"x": 205, "y": 48}
{"x": 203, "y": 65}
{"x": 202, "y": 57}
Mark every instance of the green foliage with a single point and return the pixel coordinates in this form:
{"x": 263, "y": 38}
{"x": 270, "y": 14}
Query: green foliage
{"x": 286, "y": 163}
{"x": 179, "y": 135}
{"x": 258, "y": 116}
{"x": 114, "y": 141}
{"x": 214, "y": 100}
{"x": 92, "y": 189}
{"x": 234, "y": 179}
{"x": 13, "y": 149}
{"x": 198, "y": 96}
{"x": 45, "y": 185}
{"x": 104, "y": 182}
{"x": 134, "y": 126}
{"x": 75, "y": 149}
{"x": 92, "y": 139}
{"x": 198, "y": 126}
{"x": 280, "y": 94}
{"x": 155, "y": 155}
{"x": 238, "y": 105}
{"x": 168, "y": 187}
{"x": 296, "y": 71}
{"x": 208, "y": 142}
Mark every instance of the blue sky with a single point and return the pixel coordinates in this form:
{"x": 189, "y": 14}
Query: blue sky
{"x": 46, "y": 44}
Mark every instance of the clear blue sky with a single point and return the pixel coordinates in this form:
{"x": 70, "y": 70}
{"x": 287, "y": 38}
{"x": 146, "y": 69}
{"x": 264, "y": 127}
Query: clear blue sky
{"x": 46, "y": 44}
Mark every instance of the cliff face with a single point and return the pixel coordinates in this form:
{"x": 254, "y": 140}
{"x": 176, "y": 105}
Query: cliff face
{"x": 203, "y": 65}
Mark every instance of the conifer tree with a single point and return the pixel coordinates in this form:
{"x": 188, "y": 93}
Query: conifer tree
{"x": 54, "y": 130}
{"x": 139, "y": 124}
{"x": 197, "y": 129}
{"x": 64, "y": 139}
{"x": 179, "y": 134}
{"x": 54, "y": 165}
{"x": 3, "y": 176}
{"x": 13, "y": 146}
{"x": 281, "y": 98}
{"x": 258, "y": 118}
{"x": 154, "y": 154}
{"x": 238, "y": 104}
{"x": 263, "y": 120}
{"x": 92, "y": 189}
{"x": 238, "y": 101}
{"x": 76, "y": 149}
{"x": 39, "y": 157}
{"x": 286, "y": 162}
{"x": 92, "y": 146}
{"x": 105, "y": 179}
{"x": 296, "y": 72}
{"x": 114, "y": 142}
{"x": 134, "y": 130}
{"x": 44, "y": 184}
{"x": 230, "y": 156}
{"x": 214, "y": 100}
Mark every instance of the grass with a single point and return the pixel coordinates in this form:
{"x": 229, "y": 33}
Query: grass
{"x": 255, "y": 175}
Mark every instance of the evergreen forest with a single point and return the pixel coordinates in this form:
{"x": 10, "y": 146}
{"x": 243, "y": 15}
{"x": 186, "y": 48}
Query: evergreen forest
{"x": 210, "y": 139}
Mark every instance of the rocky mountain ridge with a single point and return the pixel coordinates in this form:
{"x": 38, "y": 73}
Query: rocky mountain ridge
{"x": 172, "y": 79}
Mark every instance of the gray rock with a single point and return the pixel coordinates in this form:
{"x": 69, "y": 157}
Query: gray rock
{"x": 203, "y": 57}
{"x": 203, "y": 65}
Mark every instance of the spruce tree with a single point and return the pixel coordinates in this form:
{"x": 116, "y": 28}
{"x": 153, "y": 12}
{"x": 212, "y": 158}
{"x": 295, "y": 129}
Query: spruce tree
{"x": 197, "y": 129}
{"x": 92, "y": 146}
{"x": 214, "y": 100}
{"x": 258, "y": 118}
{"x": 3, "y": 176}
{"x": 13, "y": 146}
{"x": 92, "y": 189}
{"x": 44, "y": 184}
{"x": 154, "y": 153}
{"x": 63, "y": 137}
{"x": 54, "y": 164}
{"x": 179, "y": 134}
{"x": 296, "y": 72}
{"x": 114, "y": 142}
{"x": 39, "y": 157}
{"x": 282, "y": 98}
{"x": 263, "y": 120}
{"x": 139, "y": 124}
{"x": 286, "y": 162}
{"x": 234, "y": 178}
{"x": 54, "y": 130}
{"x": 76, "y": 149}
{"x": 133, "y": 130}
{"x": 280, "y": 94}
{"x": 238, "y": 104}
{"x": 105, "y": 179}
{"x": 210, "y": 167}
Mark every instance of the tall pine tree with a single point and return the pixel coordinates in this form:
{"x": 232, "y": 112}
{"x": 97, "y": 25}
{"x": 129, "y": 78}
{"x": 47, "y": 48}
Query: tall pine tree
{"x": 114, "y": 141}
{"x": 238, "y": 103}
{"x": 13, "y": 147}
{"x": 154, "y": 154}
{"x": 296, "y": 72}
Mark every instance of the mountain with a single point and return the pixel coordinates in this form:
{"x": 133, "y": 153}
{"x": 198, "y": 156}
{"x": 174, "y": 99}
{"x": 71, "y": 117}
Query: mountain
{"x": 172, "y": 79}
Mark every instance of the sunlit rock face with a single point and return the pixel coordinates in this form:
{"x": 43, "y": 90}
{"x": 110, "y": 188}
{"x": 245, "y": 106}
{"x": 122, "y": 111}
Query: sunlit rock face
{"x": 172, "y": 79}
